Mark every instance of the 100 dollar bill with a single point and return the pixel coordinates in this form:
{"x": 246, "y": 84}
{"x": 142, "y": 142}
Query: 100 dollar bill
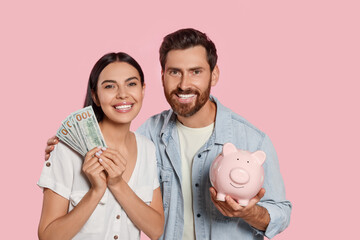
{"x": 88, "y": 127}
{"x": 64, "y": 135}
{"x": 81, "y": 131}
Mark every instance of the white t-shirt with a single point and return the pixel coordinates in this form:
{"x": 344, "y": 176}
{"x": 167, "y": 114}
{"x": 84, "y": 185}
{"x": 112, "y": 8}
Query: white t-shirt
{"x": 191, "y": 140}
{"x": 62, "y": 173}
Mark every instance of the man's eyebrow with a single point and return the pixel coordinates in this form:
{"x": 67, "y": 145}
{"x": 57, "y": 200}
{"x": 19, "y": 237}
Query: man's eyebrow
{"x": 189, "y": 69}
{"x": 196, "y": 68}
{"x": 173, "y": 69}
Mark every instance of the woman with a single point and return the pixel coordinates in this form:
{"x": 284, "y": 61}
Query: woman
{"x": 114, "y": 192}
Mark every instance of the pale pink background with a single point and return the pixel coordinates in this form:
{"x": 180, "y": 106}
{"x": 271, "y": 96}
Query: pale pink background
{"x": 290, "y": 67}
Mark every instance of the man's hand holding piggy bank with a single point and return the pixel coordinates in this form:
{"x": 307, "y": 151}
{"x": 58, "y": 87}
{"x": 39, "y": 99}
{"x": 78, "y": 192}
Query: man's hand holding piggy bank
{"x": 237, "y": 177}
{"x": 237, "y": 173}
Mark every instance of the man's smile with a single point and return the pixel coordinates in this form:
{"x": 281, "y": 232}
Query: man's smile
{"x": 186, "y": 98}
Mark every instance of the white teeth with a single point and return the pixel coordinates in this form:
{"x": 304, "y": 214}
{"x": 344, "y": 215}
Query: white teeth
{"x": 186, "y": 96}
{"x": 122, "y": 107}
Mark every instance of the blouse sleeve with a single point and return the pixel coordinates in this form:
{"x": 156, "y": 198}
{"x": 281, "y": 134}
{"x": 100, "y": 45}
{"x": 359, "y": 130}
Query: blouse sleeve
{"x": 57, "y": 173}
{"x": 155, "y": 170}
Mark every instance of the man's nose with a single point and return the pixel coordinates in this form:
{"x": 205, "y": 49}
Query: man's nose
{"x": 184, "y": 82}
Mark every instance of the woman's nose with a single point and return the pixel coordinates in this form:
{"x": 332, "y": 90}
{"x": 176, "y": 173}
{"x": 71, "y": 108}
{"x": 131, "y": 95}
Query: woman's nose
{"x": 121, "y": 93}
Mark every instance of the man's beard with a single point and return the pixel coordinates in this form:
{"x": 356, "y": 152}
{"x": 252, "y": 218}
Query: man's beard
{"x": 186, "y": 109}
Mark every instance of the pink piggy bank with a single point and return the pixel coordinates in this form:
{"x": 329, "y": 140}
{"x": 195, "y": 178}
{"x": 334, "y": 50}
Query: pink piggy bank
{"x": 237, "y": 173}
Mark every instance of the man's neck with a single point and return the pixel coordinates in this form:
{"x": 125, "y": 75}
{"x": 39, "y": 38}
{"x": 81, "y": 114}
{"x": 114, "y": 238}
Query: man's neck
{"x": 202, "y": 118}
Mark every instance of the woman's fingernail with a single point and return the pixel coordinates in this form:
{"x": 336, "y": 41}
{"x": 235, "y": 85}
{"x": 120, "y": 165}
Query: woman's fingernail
{"x": 103, "y": 148}
{"x": 99, "y": 147}
{"x": 100, "y": 160}
{"x": 98, "y": 153}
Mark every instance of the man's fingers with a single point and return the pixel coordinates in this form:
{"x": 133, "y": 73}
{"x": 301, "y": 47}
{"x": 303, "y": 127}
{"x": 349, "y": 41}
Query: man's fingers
{"x": 49, "y": 149}
{"x": 232, "y": 208}
{"x": 50, "y": 146}
{"x": 256, "y": 199}
{"x": 235, "y": 206}
{"x": 219, "y": 206}
{"x": 52, "y": 141}
{"x": 212, "y": 193}
{"x": 261, "y": 193}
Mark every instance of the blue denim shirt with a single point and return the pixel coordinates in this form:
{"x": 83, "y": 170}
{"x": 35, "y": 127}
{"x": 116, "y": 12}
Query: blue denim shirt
{"x": 209, "y": 222}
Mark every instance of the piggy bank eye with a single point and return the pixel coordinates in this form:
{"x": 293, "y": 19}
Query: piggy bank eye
{"x": 237, "y": 159}
{"x": 247, "y": 161}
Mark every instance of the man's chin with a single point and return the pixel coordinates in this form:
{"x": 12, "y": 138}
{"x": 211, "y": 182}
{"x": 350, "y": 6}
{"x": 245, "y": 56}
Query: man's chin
{"x": 185, "y": 112}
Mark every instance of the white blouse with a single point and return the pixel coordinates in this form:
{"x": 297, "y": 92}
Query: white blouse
{"x": 62, "y": 174}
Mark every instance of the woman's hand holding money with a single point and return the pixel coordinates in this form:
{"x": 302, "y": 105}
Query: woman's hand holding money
{"x": 94, "y": 171}
{"x": 114, "y": 164}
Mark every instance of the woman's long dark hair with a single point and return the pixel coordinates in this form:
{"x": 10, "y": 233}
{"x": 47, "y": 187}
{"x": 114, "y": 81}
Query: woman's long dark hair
{"x": 97, "y": 69}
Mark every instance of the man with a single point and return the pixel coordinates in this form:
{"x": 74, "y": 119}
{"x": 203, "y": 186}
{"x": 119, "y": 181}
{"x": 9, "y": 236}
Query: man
{"x": 188, "y": 138}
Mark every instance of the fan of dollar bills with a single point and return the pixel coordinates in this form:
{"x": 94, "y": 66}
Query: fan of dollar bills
{"x": 81, "y": 131}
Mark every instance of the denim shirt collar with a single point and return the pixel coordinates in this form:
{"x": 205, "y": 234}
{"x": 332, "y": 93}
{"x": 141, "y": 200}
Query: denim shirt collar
{"x": 168, "y": 127}
{"x": 222, "y": 131}
{"x": 223, "y": 123}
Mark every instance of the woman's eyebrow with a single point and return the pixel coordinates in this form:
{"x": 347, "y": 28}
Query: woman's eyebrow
{"x": 108, "y": 81}
{"x": 126, "y": 80}
{"x": 131, "y": 78}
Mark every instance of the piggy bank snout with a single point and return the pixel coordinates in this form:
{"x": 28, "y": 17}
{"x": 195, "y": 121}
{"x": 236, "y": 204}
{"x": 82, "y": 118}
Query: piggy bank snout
{"x": 239, "y": 176}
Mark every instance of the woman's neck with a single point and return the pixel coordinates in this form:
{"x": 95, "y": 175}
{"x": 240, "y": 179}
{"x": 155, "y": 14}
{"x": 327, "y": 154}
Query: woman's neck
{"x": 115, "y": 135}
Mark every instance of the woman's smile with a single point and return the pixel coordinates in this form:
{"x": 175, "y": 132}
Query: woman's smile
{"x": 123, "y": 107}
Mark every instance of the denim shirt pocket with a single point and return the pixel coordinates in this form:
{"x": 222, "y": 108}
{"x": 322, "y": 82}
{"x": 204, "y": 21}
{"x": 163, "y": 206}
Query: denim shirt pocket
{"x": 95, "y": 223}
{"x": 165, "y": 185}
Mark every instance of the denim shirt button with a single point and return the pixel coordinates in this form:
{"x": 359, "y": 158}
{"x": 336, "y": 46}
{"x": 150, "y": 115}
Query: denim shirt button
{"x": 196, "y": 184}
{"x": 198, "y": 215}
{"x": 199, "y": 155}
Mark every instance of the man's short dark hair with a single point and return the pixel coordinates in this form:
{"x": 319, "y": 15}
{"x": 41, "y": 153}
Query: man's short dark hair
{"x": 184, "y": 39}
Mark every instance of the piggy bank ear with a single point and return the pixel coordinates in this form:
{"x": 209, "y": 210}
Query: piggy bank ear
{"x": 228, "y": 148}
{"x": 259, "y": 156}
